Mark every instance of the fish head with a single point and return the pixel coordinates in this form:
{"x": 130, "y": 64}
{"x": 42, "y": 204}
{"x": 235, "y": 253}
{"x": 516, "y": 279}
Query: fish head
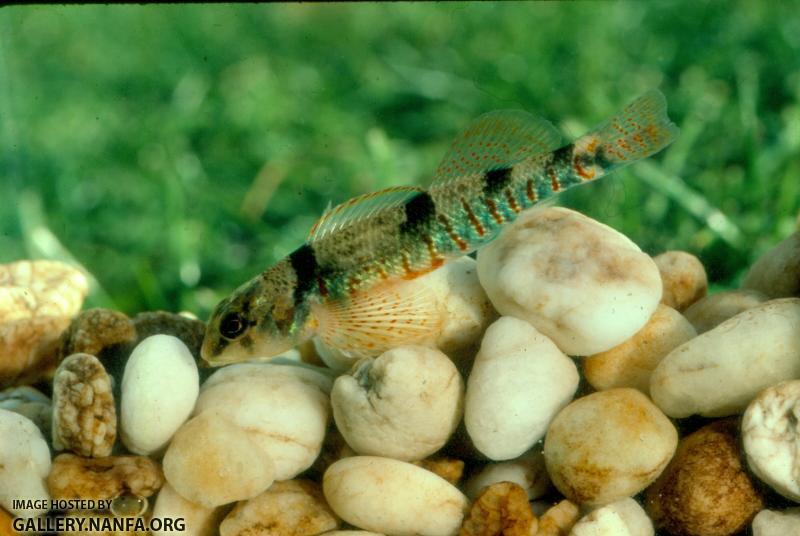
{"x": 260, "y": 319}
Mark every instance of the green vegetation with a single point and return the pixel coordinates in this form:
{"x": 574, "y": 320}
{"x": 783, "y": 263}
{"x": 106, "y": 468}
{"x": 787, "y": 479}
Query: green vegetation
{"x": 175, "y": 151}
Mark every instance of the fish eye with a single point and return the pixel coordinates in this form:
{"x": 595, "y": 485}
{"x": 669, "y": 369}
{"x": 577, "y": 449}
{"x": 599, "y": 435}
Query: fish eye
{"x": 232, "y": 325}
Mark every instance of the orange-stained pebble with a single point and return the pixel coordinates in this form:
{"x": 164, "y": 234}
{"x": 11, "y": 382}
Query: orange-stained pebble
{"x": 559, "y": 519}
{"x": 501, "y": 508}
{"x": 683, "y": 277}
{"x": 451, "y": 469}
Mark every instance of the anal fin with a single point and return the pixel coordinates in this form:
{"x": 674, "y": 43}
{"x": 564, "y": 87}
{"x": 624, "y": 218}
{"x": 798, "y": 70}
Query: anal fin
{"x": 373, "y": 321}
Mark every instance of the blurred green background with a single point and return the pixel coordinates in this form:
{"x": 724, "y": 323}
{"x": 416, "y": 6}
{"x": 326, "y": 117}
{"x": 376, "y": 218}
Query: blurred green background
{"x": 175, "y": 151}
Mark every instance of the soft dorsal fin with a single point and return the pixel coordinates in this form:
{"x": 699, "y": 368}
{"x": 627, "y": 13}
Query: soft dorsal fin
{"x": 495, "y": 140}
{"x": 358, "y": 209}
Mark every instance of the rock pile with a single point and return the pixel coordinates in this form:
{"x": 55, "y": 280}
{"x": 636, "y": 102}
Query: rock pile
{"x": 578, "y": 387}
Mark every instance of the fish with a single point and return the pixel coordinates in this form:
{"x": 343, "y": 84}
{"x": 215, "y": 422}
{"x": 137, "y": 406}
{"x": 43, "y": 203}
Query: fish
{"x": 348, "y": 284}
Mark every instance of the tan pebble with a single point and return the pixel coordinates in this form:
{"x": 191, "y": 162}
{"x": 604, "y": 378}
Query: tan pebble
{"x": 94, "y": 330}
{"x": 213, "y": 462}
{"x": 84, "y": 418}
{"x": 103, "y": 478}
{"x": 631, "y": 363}
{"x": 683, "y": 277}
{"x": 777, "y": 272}
{"x": 705, "y": 490}
{"x": 607, "y": 446}
{"x": 289, "y": 508}
{"x": 37, "y": 300}
{"x": 393, "y": 497}
{"x": 450, "y": 469}
{"x": 198, "y": 520}
{"x": 713, "y": 310}
{"x": 501, "y": 508}
{"x": 559, "y": 519}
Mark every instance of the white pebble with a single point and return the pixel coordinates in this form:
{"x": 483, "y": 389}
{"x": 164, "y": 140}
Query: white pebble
{"x": 528, "y": 471}
{"x": 24, "y": 464}
{"x": 773, "y": 523}
{"x": 159, "y": 389}
{"x": 720, "y": 371}
{"x": 581, "y": 283}
{"x": 393, "y": 497}
{"x": 621, "y": 518}
{"x": 404, "y": 405}
{"x": 284, "y": 408}
{"x": 518, "y": 383}
{"x": 772, "y": 439}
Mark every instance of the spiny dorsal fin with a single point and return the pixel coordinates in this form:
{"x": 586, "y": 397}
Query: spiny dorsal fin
{"x": 358, "y": 209}
{"x": 496, "y": 140}
{"x": 372, "y": 321}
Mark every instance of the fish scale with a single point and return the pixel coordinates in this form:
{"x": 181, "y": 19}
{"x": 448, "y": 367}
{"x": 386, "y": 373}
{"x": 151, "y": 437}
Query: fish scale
{"x": 345, "y": 284}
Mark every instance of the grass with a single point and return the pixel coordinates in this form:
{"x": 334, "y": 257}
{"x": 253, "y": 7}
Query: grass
{"x": 175, "y": 151}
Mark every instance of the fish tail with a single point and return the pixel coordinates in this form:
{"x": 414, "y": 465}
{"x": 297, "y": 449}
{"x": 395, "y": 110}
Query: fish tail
{"x": 640, "y": 130}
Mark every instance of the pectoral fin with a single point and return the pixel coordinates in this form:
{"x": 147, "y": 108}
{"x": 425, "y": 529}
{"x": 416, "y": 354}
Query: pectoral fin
{"x": 374, "y": 321}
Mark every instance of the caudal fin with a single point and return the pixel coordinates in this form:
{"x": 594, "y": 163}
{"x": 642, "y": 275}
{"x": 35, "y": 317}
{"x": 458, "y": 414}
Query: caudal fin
{"x": 640, "y": 130}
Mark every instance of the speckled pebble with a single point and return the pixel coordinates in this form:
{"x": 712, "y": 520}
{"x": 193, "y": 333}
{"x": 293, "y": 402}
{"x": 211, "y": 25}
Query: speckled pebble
{"x": 84, "y": 417}
{"x": 705, "y": 490}
{"x": 289, "y": 508}
{"x": 103, "y": 478}
{"x": 97, "y": 331}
